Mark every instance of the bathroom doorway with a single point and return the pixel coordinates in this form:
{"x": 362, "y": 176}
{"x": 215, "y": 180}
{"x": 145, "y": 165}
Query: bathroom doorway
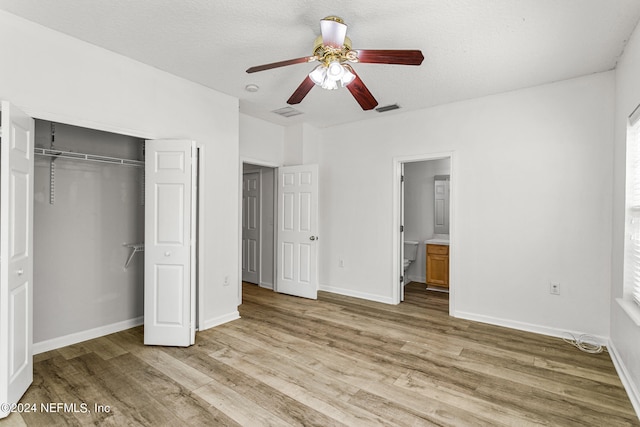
{"x": 423, "y": 219}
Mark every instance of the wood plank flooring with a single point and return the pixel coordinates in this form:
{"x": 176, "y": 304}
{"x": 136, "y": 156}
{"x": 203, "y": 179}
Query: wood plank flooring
{"x": 334, "y": 361}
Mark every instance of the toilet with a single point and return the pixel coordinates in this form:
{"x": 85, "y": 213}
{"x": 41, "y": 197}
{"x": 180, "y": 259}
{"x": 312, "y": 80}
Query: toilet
{"x": 410, "y": 253}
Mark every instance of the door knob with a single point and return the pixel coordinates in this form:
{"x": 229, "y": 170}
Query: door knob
{"x": 168, "y": 253}
{"x": 313, "y": 238}
{"x": 20, "y": 272}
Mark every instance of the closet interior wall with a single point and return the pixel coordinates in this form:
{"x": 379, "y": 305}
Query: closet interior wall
{"x": 80, "y": 282}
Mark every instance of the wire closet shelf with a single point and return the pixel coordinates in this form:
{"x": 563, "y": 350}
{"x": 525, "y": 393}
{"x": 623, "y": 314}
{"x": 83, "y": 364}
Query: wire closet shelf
{"x": 87, "y": 157}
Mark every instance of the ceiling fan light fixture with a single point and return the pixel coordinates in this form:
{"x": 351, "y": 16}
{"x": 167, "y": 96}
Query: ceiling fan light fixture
{"x": 330, "y": 84}
{"x": 318, "y": 74}
{"x": 332, "y": 76}
{"x": 348, "y": 76}
{"x": 335, "y": 71}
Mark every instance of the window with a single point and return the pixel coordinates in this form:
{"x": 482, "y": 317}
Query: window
{"x": 632, "y": 227}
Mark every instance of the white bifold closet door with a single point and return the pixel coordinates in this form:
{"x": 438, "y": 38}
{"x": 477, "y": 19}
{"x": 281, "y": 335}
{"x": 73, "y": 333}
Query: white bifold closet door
{"x": 169, "y": 275}
{"x": 16, "y": 255}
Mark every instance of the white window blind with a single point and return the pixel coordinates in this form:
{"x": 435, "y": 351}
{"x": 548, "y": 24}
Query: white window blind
{"x": 632, "y": 245}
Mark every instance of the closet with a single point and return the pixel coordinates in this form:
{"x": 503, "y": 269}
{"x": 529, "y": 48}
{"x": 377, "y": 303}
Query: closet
{"x": 76, "y": 206}
{"x": 88, "y": 231}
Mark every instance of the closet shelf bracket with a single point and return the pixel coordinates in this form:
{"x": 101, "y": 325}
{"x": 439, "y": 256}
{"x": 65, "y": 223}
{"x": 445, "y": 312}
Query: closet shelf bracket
{"x": 135, "y": 247}
{"x": 52, "y": 181}
{"x": 52, "y": 167}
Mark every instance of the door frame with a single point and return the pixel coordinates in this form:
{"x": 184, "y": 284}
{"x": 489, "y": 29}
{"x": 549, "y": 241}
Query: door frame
{"x": 397, "y": 268}
{"x": 144, "y": 134}
{"x": 260, "y": 163}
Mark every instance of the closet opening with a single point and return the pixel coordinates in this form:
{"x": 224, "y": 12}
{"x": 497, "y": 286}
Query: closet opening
{"x": 89, "y": 216}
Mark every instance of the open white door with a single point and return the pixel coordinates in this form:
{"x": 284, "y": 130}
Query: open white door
{"x": 298, "y": 231}
{"x": 251, "y": 227}
{"x": 169, "y": 265}
{"x": 16, "y": 254}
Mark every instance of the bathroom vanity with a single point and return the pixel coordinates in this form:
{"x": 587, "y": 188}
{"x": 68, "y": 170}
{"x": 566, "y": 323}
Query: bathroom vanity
{"x": 437, "y": 250}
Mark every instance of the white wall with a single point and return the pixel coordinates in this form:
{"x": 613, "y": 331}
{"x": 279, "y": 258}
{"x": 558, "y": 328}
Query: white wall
{"x": 532, "y": 189}
{"x": 261, "y": 141}
{"x": 419, "y": 208}
{"x": 625, "y": 334}
{"x": 78, "y": 240}
{"x": 55, "y": 77}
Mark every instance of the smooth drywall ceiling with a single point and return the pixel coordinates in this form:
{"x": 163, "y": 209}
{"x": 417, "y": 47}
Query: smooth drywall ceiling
{"x": 625, "y": 334}
{"x": 532, "y": 193}
{"x": 55, "y": 77}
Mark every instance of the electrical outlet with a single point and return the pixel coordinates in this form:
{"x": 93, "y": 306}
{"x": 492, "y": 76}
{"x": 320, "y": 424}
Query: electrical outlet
{"x": 226, "y": 281}
{"x": 554, "y": 288}
{"x": 341, "y": 263}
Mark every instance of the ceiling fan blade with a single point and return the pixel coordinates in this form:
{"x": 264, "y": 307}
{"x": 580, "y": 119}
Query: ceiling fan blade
{"x": 333, "y": 31}
{"x": 361, "y": 93}
{"x": 281, "y": 64}
{"x": 302, "y": 91}
{"x": 399, "y": 57}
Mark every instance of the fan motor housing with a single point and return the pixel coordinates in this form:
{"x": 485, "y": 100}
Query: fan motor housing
{"x": 326, "y": 53}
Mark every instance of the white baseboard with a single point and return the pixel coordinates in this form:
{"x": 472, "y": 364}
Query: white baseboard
{"x": 527, "y": 327}
{"x": 627, "y": 380}
{"x": 54, "y": 343}
{"x": 210, "y": 323}
{"x": 266, "y": 285}
{"x": 356, "y": 294}
{"x": 416, "y": 279}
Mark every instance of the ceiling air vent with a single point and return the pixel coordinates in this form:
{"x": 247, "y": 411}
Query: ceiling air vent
{"x": 387, "y": 108}
{"x": 287, "y": 112}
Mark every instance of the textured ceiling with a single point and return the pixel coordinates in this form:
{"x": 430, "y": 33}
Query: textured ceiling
{"x": 472, "y": 48}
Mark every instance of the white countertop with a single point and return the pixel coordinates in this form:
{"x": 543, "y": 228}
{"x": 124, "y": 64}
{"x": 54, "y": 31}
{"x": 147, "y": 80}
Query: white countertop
{"x": 438, "y": 239}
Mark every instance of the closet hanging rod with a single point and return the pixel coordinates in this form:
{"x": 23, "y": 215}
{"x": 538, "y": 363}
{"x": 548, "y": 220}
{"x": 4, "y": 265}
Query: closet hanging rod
{"x": 87, "y": 157}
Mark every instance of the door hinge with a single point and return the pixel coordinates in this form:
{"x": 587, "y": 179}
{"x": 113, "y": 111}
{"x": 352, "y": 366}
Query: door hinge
{"x": 401, "y": 178}
{"x": 402, "y": 228}
{"x": 401, "y": 279}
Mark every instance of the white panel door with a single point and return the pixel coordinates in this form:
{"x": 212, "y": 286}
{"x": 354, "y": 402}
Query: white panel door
{"x": 169, "y": 275}
{"x": 298, "y": 231}
{"x": 251, "y": 227}
{"x": 16, "y": 254}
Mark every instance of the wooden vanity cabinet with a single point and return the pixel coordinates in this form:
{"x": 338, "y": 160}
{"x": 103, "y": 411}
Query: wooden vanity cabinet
{"x": 438, "y": 265}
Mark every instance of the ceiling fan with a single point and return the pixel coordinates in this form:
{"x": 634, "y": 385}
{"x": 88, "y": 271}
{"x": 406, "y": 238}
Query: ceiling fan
{"x": 333, "y": 50}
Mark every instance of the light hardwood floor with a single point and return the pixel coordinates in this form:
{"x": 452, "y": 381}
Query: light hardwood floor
{"x": 335, "y": 361}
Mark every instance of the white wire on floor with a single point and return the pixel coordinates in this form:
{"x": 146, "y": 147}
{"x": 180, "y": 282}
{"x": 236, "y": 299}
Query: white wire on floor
{"x": 585, "y": 342}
